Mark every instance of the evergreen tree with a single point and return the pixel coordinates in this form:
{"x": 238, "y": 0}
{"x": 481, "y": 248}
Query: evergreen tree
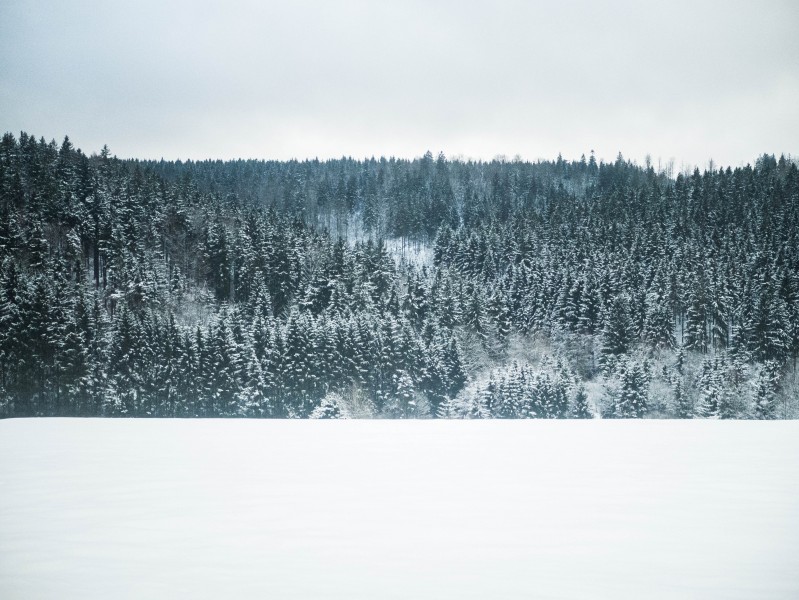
{"x": 766, "y": 387}
{"x": 632, "y": 399}
{"x": 125, "y": 366}
{"x": 580, "y": 408}
{"x": 696, "y": 322}
{"x": 767, "y": 326}
{"x": 710, "y": 390}
{"x": 659, "y": 320}
{"x": 684, "y": 409}
{"x": 617, "y": 333}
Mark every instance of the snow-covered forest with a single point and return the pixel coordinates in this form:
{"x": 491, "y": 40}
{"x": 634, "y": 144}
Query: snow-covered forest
{"x": 395, "y": 288}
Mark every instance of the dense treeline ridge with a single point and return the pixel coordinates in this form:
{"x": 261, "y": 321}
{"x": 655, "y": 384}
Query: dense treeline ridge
{"x": 235, "y": 289}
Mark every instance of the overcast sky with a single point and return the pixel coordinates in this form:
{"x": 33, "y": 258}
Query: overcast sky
{"x": 683, "y": 80}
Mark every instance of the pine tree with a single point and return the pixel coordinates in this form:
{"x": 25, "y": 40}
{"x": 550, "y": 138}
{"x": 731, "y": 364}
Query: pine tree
{"x": 475, "y": 314}
{"x": 696, "y": 322}
{"x": 710, "y": 390}
{"x": 251, "y": 399}
{"x": 617, "y": 333}
{"x": 767, "y": 326}
{"x": 97, "y": 357}
{"x": 11, "y": 326}
{"x": 590, "y": 307}
{"x": 580, "y": 408}
{"x": 124, "y": 394}
{"x": 659, "y": 320}
{"x": 73, "y": 361}
{"x": 403, "y": 404}
{"x": 684, "y": 409}
{"x": 223, "y": 369}
{"x": 766, "y": 386}
{"x": 631, "y": 400}
{"x": 501, "y": 315}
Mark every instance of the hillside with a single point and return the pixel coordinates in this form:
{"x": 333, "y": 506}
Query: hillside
{"x": 395, "y": 288}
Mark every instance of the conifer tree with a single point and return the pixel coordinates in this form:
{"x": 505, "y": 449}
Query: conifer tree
{"x": 659, "y": 320}
{"x": 632, "y": 398}
{"x": 617, "y": 333}
{"x": 766, "y": 386}
{"x": 696, "y": 322}
{"x": 710, "y": 390}
{"x": 580, "y": 408}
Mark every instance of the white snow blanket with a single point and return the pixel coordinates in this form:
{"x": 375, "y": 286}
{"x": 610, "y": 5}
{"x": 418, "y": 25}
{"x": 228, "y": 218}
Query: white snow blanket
{"x": 350, "y": 510}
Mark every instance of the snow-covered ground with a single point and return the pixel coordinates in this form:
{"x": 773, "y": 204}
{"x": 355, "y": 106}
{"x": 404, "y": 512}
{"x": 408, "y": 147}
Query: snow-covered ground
{"x": 98, "y": 509}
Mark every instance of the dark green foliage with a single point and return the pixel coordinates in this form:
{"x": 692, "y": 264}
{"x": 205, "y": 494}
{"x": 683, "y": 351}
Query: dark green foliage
{"x": 682, "y": 406}
{"x": 767, "y": 384}
{"x": 519, "y": 391}
{"x": 580, "y": 408}
{"x": 618, "y": 333}
{"x": 631, "y": 399}
{"x": 246, "y": 288}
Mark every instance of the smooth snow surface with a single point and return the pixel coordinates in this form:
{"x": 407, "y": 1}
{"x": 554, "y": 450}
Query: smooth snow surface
{"x": 99, "y": 509}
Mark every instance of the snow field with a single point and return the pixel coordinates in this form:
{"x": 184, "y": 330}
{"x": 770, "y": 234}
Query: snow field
{"x": 97, "y": 509}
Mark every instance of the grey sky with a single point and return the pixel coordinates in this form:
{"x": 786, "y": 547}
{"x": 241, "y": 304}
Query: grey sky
{"x": 688, "y": 80}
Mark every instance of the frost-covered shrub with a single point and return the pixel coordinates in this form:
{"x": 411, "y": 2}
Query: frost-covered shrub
{"x": 328, "y": 407}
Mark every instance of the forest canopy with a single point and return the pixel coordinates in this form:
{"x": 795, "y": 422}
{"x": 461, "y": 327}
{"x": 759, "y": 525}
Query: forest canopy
{"x": 395, "y": 288}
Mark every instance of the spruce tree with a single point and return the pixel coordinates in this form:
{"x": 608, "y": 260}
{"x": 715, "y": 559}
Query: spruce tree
{"x": 631, "y": 401}
{"x": 580, "y": 408}
{"x": 617, "y": 333}
{"x": 766, "y": 386}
